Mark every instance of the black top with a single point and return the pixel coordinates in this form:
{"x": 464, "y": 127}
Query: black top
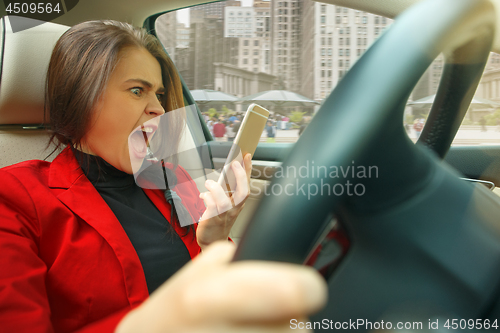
{"x": 160, "y": 249}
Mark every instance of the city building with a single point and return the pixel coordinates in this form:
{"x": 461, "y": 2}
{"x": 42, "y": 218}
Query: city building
{"x": 489, "y": 86}
{"x": 208, "y": 47}
{"x": 182, "y": 36}
{"x": 184, "y": 63}
{"x": 240, "y": 82}
{"x": 214, "y": 9}
{"x": 333, "y": 38}
{"x": 166, "y": 28}
{"x": 206, "y": 59}
{"x": 250, "y": 54}
{"x": 263, "y": 31}
{"x": 262, "y": 18}
{"x": 239, "y": 22}
{"x": 286, "y": 43}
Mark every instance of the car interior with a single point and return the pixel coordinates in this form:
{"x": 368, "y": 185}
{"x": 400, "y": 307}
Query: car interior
{"x": 423, "y": 241}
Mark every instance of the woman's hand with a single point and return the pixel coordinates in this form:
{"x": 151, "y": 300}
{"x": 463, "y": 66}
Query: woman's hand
{"x": 222, "y": 210}
{"x": 212, "y": 295}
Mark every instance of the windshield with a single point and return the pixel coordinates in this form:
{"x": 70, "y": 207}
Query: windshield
{"x": 288, "y": 56}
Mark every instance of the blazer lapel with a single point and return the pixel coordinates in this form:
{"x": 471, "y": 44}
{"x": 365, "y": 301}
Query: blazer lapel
{"x": 81, "y": 197}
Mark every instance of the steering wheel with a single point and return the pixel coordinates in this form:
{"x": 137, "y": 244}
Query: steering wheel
{"x": 423, "y": 243}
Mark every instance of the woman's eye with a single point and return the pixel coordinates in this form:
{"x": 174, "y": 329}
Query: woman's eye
{"x": 136, "y": 91}
{"x": 160, "y": 97}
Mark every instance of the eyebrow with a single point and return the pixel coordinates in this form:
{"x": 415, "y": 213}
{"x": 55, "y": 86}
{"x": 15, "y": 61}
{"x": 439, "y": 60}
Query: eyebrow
{"x": 147, "y": 84}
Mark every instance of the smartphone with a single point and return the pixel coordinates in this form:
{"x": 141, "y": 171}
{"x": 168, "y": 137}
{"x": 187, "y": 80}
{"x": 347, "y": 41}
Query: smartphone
{"x": 246, "y": 141}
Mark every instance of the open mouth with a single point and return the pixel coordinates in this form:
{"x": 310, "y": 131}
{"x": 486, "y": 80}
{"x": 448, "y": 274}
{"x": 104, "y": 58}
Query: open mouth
{"x": 139, "y": 140}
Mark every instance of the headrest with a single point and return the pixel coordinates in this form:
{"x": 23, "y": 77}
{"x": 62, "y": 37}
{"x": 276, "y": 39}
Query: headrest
{"x": 24, "y": 60}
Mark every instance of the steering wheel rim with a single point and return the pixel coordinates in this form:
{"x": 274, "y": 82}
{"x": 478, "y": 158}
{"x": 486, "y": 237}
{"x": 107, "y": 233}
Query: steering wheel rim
{"x": 285, "y": 227}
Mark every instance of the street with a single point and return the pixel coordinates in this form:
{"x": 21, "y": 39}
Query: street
{"x": 467, "y": 135}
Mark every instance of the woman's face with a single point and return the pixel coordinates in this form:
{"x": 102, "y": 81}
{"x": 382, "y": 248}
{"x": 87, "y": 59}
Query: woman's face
{"x": 131, "y": 98}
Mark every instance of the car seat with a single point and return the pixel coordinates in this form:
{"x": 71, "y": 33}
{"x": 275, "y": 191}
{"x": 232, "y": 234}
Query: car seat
{"x": 24, "y": 58}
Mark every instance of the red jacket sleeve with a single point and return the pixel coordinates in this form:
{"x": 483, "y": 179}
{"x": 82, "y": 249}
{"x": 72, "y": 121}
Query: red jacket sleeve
{"x": 24, "y": 303}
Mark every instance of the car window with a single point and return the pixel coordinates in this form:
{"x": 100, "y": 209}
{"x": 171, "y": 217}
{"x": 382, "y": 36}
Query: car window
{"x": 481, "y": 125}
{"x": 288, "y": 56}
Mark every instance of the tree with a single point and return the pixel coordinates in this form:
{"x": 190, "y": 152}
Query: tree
{"x": 212, "y": 112}
{"x": 296, "y": 116}
{"x": 409, "y": 118}
{"x": 492, "y": 119}
{"x": 226, "y": 112}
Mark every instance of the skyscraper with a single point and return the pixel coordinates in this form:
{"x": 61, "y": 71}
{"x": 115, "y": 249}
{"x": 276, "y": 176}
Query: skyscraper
{"x": 166, "y": 26}
{"x": 286, "y": 43}
{"x": 263, "y": 31}
{"x": 239, "y": 22}
{"x": 214, "y": 9}
{"x": 333, "y": 38}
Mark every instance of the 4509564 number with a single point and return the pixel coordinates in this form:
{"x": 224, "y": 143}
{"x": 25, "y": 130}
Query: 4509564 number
{"x": 477, "y": 324}
{"x": 32, "y": 8}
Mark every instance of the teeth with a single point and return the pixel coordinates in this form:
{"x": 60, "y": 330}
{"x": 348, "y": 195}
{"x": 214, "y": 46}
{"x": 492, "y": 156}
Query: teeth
{"x": 147, "y": 129}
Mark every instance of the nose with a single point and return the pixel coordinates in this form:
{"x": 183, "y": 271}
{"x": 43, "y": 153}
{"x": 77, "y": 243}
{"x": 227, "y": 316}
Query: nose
{"x": 154, "y": 107}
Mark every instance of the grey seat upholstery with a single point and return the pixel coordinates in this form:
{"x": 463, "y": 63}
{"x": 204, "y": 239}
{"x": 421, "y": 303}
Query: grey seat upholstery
{"x": 24, "y": 60}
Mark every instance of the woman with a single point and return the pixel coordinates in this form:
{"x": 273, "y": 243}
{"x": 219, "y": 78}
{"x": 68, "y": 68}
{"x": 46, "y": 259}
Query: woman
{"x": 83, "y": 246}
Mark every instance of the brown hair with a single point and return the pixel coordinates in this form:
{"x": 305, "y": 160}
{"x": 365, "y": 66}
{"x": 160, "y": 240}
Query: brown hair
{"x": 80, "y": 67}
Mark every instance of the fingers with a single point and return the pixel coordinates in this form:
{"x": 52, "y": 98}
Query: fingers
{"x": 211, "y": 210}
{"x": 247, "y": 161}
{"x": 222, "y": 210}
{"x": 242, "y": 179}
{"x": 271, "y": 292}
{"x": 222, "y": 201}
{"x": 218, "y": 253}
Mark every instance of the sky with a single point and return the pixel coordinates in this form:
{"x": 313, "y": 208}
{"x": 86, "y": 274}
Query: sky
{"x": 183, "y": 14}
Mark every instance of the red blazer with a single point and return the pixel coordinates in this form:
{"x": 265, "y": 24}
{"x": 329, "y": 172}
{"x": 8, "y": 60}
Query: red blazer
{"x": 66, "y": 263}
